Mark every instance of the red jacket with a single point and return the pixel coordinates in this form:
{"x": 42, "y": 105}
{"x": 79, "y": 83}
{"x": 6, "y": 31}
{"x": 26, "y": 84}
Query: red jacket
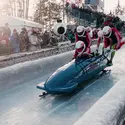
{"x": 85, "y": 39}
{"x": 95, "y": 34}
{"x": 4, "y": 38}
{"x": 79, "y": 51}
{"x": 109, "y": 41}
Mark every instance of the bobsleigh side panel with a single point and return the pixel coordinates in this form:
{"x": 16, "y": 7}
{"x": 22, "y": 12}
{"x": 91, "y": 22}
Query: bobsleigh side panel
{"x": 91, "y": 70}
{"x": 62, "y": 76}
{"x": 63, "y": 89}
{"x": 68, "y": 77}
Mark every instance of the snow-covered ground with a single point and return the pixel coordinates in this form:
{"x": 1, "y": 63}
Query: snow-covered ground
{"x": 22, "y": 54}
{"x": 109, "y": 110}
{"x": 20, "y": 104}
{"x": 43, "y": 65}
{"x": 20, "y": 72}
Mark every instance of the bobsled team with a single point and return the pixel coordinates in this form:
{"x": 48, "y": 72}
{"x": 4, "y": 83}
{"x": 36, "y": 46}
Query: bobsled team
{"x": 69, "y": 77}
{"x": 109, "y": 36}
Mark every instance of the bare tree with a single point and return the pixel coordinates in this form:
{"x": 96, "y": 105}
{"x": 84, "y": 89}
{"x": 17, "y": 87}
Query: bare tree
{"x": 27, "y": 9}
{"x": 47, "y": 12}
{"x": 119, "y": 9}
{"x": 23, "y": 8}
{"x": 15, "y": 8}
{"x": 7, "y": 8}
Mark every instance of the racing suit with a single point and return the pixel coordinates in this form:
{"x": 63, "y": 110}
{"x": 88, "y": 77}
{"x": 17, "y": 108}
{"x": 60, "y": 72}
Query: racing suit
{"x": 86, "y": 39}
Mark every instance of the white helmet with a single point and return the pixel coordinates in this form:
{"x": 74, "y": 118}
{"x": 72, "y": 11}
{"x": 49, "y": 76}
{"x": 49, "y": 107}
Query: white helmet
{"x": 80, "y": 44}
{"x": 100, "y": 33}
{"x": 107, "y": 31}
{"x": 91, "y": 34}
{"x": 94, "y": 29}
{"x": 88, "y": 29}
{"x": 80, "y": 29}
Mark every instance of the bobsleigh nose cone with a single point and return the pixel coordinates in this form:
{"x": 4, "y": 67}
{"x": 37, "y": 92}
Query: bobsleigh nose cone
{"x": 67, "y": 88}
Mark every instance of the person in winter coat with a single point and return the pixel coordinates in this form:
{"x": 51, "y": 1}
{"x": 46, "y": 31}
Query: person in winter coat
{"x": 34, "y": 42}
{"x": 6, "y": 31}
{"x": 24, "y": 44}
{"x": 15, "y": 41}
{"x": 3, "y": 37}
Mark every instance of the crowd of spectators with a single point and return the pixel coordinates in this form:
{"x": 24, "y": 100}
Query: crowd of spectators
{"x": 25, "y": 40}
{"x": 90, "y": 16}
{"x": 35, "y": 39}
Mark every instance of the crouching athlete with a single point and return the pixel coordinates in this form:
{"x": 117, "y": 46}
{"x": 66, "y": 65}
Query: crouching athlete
{"x": 81, "y": 51}
{"x": 112, "y": 39}
{"x": 83, "y": 35}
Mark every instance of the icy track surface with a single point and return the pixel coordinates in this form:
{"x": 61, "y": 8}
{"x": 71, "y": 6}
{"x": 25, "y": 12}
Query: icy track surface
{"x": 20, "y": 105}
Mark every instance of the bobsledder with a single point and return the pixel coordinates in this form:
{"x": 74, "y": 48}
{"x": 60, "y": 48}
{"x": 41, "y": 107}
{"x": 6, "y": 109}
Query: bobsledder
{"x": 68, "y": 77}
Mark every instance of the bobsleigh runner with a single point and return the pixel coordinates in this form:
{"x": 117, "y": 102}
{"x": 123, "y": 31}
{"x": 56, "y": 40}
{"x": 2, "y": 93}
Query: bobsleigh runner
{"x": 67, "y": 78}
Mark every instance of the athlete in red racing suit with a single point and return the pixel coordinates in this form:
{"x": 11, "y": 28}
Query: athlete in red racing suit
{"x": 111, "y": 38}
{"x": 83, "y": 35}
{"x": 81, "y": 51}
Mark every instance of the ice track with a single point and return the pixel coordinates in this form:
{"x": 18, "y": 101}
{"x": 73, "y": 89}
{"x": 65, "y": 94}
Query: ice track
{"x": 21, "y": 105}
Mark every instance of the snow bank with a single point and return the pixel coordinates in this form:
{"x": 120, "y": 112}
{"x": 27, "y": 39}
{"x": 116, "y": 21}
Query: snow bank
{"x": 109, "y": 110}
{"x": 27, "y": 56}
{"x": 30, "y": 70}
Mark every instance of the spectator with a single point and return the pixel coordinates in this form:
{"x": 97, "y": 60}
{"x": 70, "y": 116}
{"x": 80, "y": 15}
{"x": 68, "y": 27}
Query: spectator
{"x": 33, "y": 39}
{"x": 71, "y": 35}
{"x": 53, "y": 39}
{"x": 15, "y": 41}
{"x": 101, "y": 18}
{"x": 3, "y": 37}
{"x": 24, "y": 44}
{"x": 39, "y": 37}
{"x": 1, "y": 32}
{"x": 7, "y": 31}
{"x": 46, "y": 38}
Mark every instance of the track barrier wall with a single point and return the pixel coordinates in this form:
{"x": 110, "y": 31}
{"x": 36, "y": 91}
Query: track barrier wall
{"x": 12, "y": 59}
{"x": 21, "y": 72}
{"x": 109, "y": 110}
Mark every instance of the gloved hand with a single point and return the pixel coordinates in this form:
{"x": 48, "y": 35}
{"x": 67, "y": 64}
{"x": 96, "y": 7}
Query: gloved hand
{"x": 97, "y": 53}
{"x": 112, "y": 50}
{"x": 105, "y": 50}
{"x": 117, "y": 47}
{"x": 97, "y": 50}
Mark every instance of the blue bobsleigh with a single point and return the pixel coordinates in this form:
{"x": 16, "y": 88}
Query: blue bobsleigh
{"x": 68, "y": 77}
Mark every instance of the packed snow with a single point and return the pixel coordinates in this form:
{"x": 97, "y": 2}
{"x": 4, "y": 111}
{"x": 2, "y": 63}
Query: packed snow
{"x": 109, "y": 110}
{"x": 44, "y": 64}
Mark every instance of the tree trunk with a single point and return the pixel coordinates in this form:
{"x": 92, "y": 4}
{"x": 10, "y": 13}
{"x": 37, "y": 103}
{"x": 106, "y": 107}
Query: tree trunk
{"x": 14, "y": 7}
{"x": 27, "y": 9}
{"x": 23, "y": 8}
